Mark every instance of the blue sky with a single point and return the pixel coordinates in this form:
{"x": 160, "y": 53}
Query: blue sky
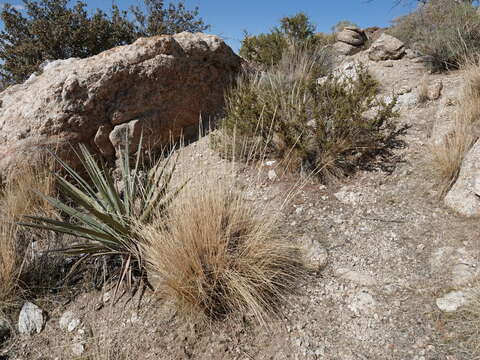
{"x": 229, "y": 18}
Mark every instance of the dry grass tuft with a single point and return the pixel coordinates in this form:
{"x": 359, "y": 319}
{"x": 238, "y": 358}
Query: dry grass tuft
{"x": 423, "y": 90}
{"x": 448, "y": 154}
{"x": 17, "y": 199}
{"x": 215, "y": 255}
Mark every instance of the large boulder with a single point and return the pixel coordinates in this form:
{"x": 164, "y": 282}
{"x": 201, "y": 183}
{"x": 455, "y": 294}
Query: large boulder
{"x": 464, "y": 196}
{"x": 352, "y": 36}
{"x": 158, "y": 86}
{"x": 386, "y": 47}
{"x": 342, "y": 48}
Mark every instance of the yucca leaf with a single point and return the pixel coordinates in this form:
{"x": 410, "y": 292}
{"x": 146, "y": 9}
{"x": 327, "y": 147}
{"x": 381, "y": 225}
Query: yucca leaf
{"x": 79, "y": 231}
{"x": 82, "y": 183}
{"x": 80, "y": 216}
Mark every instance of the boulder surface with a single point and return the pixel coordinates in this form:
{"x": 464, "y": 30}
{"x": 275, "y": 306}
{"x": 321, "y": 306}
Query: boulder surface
{"x": 464, "y": 196}
{"x": 159, "y": 87}
{"x": 386, "y": 47}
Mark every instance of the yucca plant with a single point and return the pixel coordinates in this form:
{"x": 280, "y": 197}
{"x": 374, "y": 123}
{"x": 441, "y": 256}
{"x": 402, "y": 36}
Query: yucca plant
{"x": 102, "y": 214}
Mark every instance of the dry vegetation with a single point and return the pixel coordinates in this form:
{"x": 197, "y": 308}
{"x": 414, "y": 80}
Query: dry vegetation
{"x": 321, "y": 126}
{"x": 17, "y": 199}
{"x": 216, "y": 255}
{"x": 423, "y": 90}
{"x": 445, "y": 39}
{"x": 449, "y": 153}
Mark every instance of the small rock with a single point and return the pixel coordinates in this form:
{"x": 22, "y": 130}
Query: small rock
{"x": 272, "y": 175}
{"x": 412, "y": 54}
{"x": 356, "y": 277}
{"x": 4, "y": 330}
{"x": 31, "y": 319}
{"x": 316, "y": 255}
{"x": 435, "y": 91}
{"x": 452, "y": 301}
{"x": 78, "y": 348}
{"x": 347, "y": 197}
{"x": 68, "y": 321}
{"x": 388, "y": 64}
{"x": 362, "y": 303}
{"x": 462, "y": 274}
{"x": 404, "y": 90}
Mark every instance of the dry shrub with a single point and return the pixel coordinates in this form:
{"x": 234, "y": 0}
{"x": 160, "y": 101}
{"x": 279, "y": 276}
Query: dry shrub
{"x": 449, "y": 153}
{"x": 17, "y": 199}
{"x": 215, "y": 254}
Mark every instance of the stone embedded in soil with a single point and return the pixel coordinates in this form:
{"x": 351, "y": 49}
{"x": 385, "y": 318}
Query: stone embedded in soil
{"x": 347, "y": 197}
{"x": 435, "y": 91}
{"x": 462, "y": 274}
{"x": 362, "y": 303}
{"x": 78, "y": 347}
{"x": 452, "y": 301}
{"x": 69, "y": 321}
{"x": 316, "y": 256}
{"x": 356, "y": 277}
{"x": 272, "y": 175}
{"x": 31, "y": 319}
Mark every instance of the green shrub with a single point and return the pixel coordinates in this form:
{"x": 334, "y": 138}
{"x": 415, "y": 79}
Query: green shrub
{"x": 102, "y": 214}
{"x": 331, "y": 126}
{"x": 53, "y": 29}
{"x": 445, "y": 30}
{"x": 267, "y": 49}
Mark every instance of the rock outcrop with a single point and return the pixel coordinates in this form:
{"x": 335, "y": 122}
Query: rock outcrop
{"x": 386, "y": 47}
{"x": 352, "y": 36}
{"x": 158, "y": 86}
{"x": 350, "y": 41}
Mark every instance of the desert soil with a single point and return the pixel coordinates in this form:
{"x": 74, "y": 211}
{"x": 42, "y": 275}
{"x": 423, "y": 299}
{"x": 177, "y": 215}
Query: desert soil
{"x": 389, "y": 240}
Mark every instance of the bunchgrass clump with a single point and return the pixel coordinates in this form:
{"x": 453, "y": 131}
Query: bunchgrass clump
{"x": 215, "y": 255}
{"x": 331, "y": 126}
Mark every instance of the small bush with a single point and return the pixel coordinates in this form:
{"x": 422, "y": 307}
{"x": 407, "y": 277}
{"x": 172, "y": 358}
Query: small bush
{"x": 216, "y": 255}
{"x": 448, "y": 154}
{"x": 447, "y": 40}
{"x": 267, "y": 49}
{"x": 331, "y": 127}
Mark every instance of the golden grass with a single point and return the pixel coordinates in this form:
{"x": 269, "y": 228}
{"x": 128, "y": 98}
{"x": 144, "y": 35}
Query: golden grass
{"x": 17, "y": 199}
{"x": 448, "y": 154}
{"x": 215, "y": 254}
